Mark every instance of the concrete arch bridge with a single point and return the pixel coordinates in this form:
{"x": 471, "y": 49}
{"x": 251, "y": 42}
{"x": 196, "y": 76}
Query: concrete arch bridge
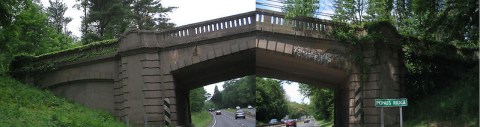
{"x": 145, "y": 76}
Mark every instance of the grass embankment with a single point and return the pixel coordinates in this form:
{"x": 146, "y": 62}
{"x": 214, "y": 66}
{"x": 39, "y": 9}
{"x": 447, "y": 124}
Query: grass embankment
{"x": 455, "y": 105}
{"x": 201, "y": 119}
{"x": 25, "y": 106}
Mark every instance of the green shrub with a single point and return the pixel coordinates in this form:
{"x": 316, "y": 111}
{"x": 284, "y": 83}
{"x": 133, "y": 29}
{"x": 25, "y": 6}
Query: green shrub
{"x": 22, "y": 105}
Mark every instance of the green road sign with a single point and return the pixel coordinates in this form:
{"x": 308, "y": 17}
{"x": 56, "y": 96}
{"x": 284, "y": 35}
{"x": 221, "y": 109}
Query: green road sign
{"x": 391, "y": 102}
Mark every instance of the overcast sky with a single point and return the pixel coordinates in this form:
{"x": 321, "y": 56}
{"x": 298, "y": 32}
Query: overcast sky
{"x": 192, "y": 11}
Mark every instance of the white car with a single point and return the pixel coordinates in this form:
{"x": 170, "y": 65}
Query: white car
{"x": 238, "y": 107}
{"x": 239, "y": 114}
{"x": 249, "y": 107}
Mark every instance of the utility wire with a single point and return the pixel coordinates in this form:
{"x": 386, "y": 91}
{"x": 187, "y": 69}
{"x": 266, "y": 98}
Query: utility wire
{"x": 282, "y": 7}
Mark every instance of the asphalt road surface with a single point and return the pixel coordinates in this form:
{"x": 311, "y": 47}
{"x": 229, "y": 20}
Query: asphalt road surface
{"x": 312, "y": 123}
{"x": 309, "y": 124}
{"x": 227, "y": 119}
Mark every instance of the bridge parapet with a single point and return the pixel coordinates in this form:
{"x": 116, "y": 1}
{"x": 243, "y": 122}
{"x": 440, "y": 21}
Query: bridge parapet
{"x": 259, "y": 20}
{"x": 277, "y": 22}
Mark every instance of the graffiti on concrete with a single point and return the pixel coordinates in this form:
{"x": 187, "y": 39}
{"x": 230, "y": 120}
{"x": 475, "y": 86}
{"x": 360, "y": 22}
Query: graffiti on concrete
{"x": 332, "y": 57}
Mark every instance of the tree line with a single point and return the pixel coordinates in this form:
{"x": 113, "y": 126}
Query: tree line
{"x": 236, "y": 92}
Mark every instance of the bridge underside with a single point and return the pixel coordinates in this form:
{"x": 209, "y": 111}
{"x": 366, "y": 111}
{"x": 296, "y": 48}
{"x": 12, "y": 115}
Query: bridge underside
{"x": 259, "y": 62}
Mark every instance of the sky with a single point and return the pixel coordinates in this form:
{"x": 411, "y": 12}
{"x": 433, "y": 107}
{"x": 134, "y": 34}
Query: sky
{"x": 192, "y": 11}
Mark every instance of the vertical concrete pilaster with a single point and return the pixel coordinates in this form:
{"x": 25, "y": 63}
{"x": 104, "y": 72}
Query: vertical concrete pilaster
{"x": 381, "y": 80}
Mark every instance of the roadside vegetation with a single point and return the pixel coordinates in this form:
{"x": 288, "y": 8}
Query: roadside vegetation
{"x": 236, "y": 92}
{"x": 451, "y": 106}
{"x": 201, "y": 118}
{"x": 22, "y": 105}
{"x": 270, "y": 100}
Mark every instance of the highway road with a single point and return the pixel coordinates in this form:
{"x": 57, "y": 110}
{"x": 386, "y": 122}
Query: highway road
{"x": 312, "y": 123}
{"x": 227, "y": 119}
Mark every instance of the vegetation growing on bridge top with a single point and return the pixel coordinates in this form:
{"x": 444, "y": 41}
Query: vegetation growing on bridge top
{"x": 27, "y": 64}
{"x": 22, "y": 105}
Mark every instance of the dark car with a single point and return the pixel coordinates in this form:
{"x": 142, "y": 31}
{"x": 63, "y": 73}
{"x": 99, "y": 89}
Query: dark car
{"x": 239, "y": 114}
{"x": 290, "y": 123}
{"x": 218, "y": 113}
{"x": 211, "y": 110}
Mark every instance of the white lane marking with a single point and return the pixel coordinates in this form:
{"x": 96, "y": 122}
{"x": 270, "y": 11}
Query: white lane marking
{"x": 214, "y": 120}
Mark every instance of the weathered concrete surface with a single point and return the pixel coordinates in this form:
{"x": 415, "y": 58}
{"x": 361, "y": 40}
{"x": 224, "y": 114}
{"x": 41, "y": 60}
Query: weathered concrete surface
{"x": 148, "y": 80}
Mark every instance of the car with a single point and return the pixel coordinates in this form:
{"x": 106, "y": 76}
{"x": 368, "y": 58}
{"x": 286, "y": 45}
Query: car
{"x": 211, "y": 109}
{"x": 238, "y": 107}
{"x": 249, "y": 107}
{"x": 273, "y": 121}
{"x": 239, "y": 114}
{"x": 306, "y": 121}
{"x": 290, "y": 123}
{"x": 218, "y": 112}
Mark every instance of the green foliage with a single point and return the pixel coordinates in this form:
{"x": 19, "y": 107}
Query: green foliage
{"x": 270, "y": 100}
{"x": 109, "y": 19}
{"x": 209, "y": 104}
{"x": 145, "y": 12}
{"x": 296, "y": 110}
{"x": 197, "y": 99}
{"x": 56, "y": 13}
{"x": 29, "y": 33}
{"x": 217, "y": 98}
{"x": 8, "y": 10}
{"x": 23, "y": 105}
{"x": 201, "y": 119}
{"x": 28, "y": 64}
{"x": 300, "y": 8}
{"x": 107, "y": 14}
{"x": 239, "y": 92}
{"x": 321, "y": 101}
{"x": 456, "y": 104}
{"x": 348, "y": 11}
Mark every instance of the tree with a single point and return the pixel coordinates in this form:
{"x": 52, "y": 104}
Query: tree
{"x": 239, "y": 92}
{"x": 150, "y": 14}
{"x": 8, "y": 9}
{"x": 296, "y": 110}
{"x": 321, "y": 101}
{"x": 56, "y": 13}
{"x": 217, "y": 97}
{"x": 197, "y": 99}
{"x": 107, "y": 19}
{"x": 83, "y": 5}
{"x": 301, "y": 8}
{"x": 30, "y": 33}
{"x": 270, "y": 100}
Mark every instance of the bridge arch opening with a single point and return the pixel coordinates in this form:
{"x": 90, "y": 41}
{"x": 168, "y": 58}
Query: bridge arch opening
{"x": 254, "y": 61}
